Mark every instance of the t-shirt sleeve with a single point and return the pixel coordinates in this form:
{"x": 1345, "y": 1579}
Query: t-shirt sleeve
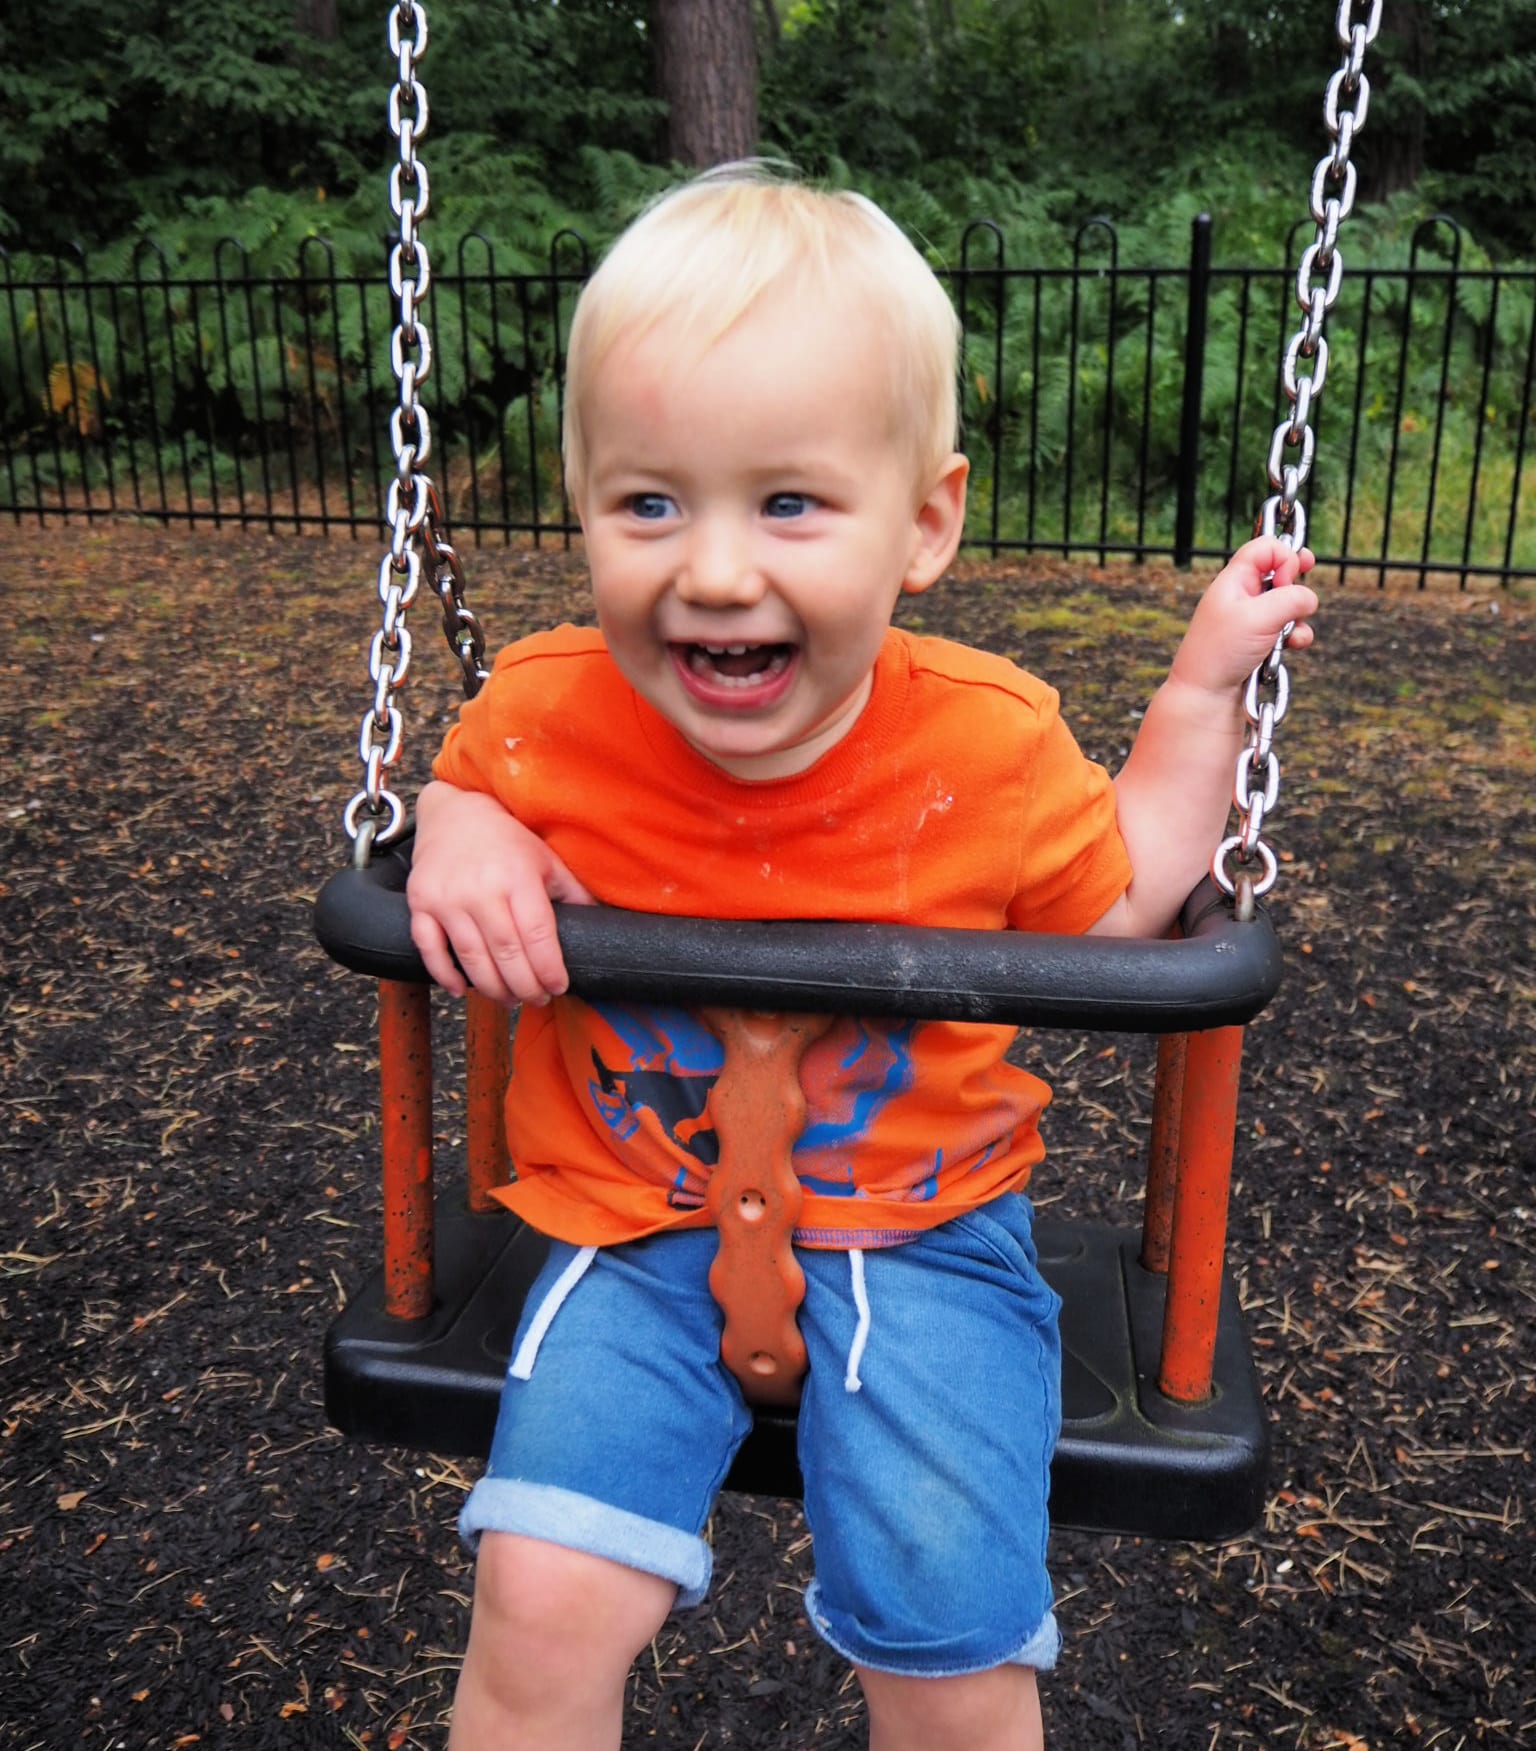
{"x": 473, "y": 750}
{"x": 1073, "y": 863}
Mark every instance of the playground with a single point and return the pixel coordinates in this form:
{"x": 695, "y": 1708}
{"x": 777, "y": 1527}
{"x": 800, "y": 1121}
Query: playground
{"x": 191, "y": 1557}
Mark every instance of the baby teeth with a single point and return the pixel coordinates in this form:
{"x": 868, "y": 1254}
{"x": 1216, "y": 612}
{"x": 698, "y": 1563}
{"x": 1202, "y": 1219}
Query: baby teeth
{"x": 756, "y": 680}
{"x": 701, "y": 663}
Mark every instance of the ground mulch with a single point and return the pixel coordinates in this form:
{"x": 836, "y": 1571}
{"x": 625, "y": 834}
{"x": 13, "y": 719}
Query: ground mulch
{"x": 189, "y": 1556}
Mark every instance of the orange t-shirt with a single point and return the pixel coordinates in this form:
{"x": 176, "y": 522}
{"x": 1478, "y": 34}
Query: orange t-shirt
{"x": 958, "y": 799}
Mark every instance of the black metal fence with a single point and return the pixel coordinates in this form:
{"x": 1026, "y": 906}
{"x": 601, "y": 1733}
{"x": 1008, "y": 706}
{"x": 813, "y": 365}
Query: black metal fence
{"x": 1110, "y": 410}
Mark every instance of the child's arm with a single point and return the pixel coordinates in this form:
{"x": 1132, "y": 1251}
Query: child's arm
{"x": 1173, "y": 794}
{"x": 481, "y": 885}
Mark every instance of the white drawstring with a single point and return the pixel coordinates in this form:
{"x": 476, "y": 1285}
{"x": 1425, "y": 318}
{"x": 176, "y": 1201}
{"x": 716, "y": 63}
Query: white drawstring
{"x": 528, "y": 1349}
{"x": 851, "y": 1381}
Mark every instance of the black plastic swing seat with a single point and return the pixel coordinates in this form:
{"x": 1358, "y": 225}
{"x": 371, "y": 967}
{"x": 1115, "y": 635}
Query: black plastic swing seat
{"x": 1129, "y": 1459}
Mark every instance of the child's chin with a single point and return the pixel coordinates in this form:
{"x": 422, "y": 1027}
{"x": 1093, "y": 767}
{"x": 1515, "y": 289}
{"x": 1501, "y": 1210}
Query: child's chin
{"x": 743, "y": 759}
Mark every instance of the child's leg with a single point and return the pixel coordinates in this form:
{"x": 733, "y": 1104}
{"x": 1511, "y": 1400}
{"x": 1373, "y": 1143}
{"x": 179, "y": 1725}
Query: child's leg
{"x": 551, "y": 1640}
{"x": 617, "y": 1427}
{"x": 996, "y": 1710}
{"x": 926, "y": 1431}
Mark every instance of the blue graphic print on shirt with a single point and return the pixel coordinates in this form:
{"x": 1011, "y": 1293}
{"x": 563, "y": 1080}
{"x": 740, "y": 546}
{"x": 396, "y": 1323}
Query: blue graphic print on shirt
{"x": 672, "y": 1063}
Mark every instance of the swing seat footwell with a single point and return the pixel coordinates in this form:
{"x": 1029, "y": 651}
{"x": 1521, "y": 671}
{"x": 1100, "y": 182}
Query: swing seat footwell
{"x": 1129, "y": 1460}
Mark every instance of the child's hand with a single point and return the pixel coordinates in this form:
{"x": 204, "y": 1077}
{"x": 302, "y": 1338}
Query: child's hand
{"x": 480, "y": 889}
{"x": 1237, "y": 622}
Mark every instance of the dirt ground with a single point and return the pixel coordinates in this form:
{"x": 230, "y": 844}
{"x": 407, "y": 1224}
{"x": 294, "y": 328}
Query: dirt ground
{"x": 190, "y": 1557}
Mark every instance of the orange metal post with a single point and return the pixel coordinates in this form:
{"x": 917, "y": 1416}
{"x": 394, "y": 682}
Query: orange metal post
{"x": 487, "y": 1067}
{"x": 405, "y": 1076}
{"x": 1163, "y": 1152}
{"x": 1209, "y": 1119}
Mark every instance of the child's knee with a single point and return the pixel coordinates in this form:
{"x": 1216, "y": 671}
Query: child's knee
{"x": 976, "y": 1711}
{"x": 549, "y": 1608}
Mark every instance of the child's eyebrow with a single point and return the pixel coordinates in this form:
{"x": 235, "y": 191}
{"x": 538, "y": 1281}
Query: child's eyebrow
{"x": 807, "y": 465}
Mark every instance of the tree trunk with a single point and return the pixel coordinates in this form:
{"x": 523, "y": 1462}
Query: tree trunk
{"x": 317, "y": 19}
{"x": 706, "y": 72}
{"x": 1390, "y": 157}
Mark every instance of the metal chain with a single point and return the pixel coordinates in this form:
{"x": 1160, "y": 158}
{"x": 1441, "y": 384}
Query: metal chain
{"x": 1245, "y": 866}
{"x": 418, "y": 529}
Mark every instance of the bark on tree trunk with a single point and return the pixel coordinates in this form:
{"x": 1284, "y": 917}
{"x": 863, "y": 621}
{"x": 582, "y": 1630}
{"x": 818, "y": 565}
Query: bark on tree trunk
{"x": 706, "y": 71}
{"x": 1390, "y": 156}
{"x": 317, "y": 19}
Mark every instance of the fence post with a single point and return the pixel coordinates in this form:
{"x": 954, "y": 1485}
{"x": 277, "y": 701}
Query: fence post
{"x": 1194, "y": 388}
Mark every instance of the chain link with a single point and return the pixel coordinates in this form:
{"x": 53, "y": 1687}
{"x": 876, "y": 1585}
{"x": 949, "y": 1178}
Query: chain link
{"x": 1244, "y": 865}
{"x": 419, "y": 542}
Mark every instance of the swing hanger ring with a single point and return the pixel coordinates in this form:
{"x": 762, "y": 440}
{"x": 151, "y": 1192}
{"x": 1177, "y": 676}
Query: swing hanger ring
{"x": 382, "y": 828}
{"x": 1228, "y": 883}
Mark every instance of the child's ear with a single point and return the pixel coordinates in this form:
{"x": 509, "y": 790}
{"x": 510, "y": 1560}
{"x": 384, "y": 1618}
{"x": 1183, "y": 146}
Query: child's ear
{"x": 938, "y": 524}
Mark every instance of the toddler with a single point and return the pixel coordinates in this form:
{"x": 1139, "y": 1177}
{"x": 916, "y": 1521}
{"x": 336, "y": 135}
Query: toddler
{"x": 759, "y": 442}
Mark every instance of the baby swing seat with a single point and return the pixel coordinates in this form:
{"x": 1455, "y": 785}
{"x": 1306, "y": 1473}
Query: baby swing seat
{"x": 1164, "y": 1432}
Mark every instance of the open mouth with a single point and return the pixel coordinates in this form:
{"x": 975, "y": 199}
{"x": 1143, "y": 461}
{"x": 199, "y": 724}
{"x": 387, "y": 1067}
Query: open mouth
{"x": 739, "y": 666}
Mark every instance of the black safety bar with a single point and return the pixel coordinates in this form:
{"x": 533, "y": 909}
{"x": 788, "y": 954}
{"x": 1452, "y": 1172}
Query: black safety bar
{"x": 1218, "y": 973}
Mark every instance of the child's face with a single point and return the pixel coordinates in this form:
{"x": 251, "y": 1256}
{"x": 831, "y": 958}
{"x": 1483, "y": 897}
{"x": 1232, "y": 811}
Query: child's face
{"x": 751, "y": 517}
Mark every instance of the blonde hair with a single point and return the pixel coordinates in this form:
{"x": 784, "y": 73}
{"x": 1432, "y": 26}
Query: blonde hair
{"x": 701, "y": 257}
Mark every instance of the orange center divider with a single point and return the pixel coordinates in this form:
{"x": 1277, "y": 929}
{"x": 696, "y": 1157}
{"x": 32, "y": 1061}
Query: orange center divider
{"x": 755, "y": 1197}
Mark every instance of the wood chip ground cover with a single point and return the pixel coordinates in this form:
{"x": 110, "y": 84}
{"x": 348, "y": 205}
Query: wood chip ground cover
{"x": 190, "y": 1556}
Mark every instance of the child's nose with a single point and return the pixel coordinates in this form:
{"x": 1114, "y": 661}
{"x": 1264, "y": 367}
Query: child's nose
{"x": 720, "y": 568}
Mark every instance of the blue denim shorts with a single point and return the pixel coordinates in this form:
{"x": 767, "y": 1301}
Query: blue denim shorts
{"x": 929, "y": 1415}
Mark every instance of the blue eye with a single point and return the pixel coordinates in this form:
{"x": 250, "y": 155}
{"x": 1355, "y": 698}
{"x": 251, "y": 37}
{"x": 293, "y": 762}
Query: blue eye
{"x": 651, "y": 507}
{"x": 787, "y": 504}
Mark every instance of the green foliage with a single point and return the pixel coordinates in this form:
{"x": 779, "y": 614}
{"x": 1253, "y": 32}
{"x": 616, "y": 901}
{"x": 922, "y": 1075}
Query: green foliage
{"x": 115, "y": 116}
{"x": 114, "y": 121}
{"x": 1108, "y": 110}
{"x": 114, "y": 112}
{"x": 190, "y": 139}
{"x": 905, "y": 90}
{"x": 541, "y": 77}
{"x": 1479, "y": 104}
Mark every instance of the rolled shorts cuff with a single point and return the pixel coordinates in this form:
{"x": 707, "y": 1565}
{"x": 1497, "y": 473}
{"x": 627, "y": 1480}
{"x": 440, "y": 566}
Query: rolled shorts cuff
{"x": 558, "y": 1516}
{"x": 1038, "y": 1650}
